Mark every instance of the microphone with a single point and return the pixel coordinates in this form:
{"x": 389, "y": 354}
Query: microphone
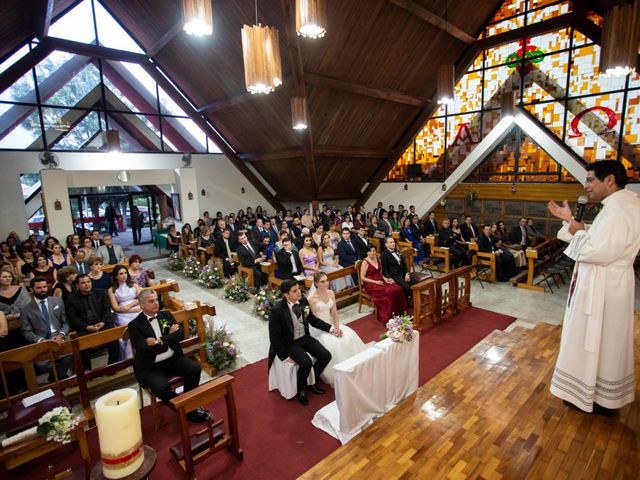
{"x": 582, "y": 204}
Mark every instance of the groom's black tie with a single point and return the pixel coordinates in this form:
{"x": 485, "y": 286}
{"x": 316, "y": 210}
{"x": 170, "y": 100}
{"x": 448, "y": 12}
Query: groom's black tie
{"x": 297, "y": 309}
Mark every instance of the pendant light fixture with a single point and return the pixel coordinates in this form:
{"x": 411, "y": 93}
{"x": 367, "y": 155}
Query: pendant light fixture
{"x": 261, "y": 55}
{"x": 198, "y": 17}
{"x": 311, "y": 18}
{"x": 620, "y": 38}
{"x": 445, "y": 84}
{"x": 299, "y": 113}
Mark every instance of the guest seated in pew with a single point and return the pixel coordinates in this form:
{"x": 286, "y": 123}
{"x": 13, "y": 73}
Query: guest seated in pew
{"x": 505, "y": 263}
{"x": 44, "y": 318}
{"x": 328, "y": 263}
{"x": 499, "y": 232}
{"x": 123, "y": 296}
{"x": 362, "y": 242}
{"x": 110, "y": 253}
{"x": 411, "y": 233}
{"x": 137, "y": 273}
{"x": 89, "y": 311}
{"x": 323, "y": 305}
{"x": 395, "y": 268}
{"x": 532, "y": 231}
{"x": 173, "y": 240}
{"x": 156, "y": 337}
{"x": 449, "y": 239}
{"x": 250, "y": 256}
{"x": 519, "y": 237}
{"x": 12, "y": 295}
{"x": 308, "y": 256}
{"x": 66, "y": 284}
{"x": 469, "y": 230}
{"x": 223, "y": 250}
{"x": 290, "y": 339}
{"x": 99, "y": 279}
{"x": 388, "y": 297}
{"x": 289, "y": 264}
{"x": 44, "y": 270}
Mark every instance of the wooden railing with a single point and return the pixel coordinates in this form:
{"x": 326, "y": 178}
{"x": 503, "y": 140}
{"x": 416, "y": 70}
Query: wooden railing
{"x": 438, "y": 297}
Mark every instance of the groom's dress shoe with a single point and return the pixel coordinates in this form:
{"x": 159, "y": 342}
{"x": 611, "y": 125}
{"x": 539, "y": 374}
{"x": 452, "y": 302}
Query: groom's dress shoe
{"x": 316, "y": 390}
{"x": 302, "y": 398}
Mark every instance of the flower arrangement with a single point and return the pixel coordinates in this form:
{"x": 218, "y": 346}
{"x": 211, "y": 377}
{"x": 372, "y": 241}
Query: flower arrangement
{"x": 264, "y": 301}
{"x": 211, "y": 277}
{"x": 237, "y": 289}
{"x": 400, "y": 328}
{"x": 56, "y": 425}
{"x": 221, "y": 351}
{"x": 176, "y": 262}
{"x": 192, "y": 268}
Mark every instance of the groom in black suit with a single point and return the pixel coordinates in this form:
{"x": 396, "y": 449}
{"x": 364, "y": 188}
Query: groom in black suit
{"x": 290, "y": 340}
{"x": 155, "y": 338}
{"x": 394, "y": 266}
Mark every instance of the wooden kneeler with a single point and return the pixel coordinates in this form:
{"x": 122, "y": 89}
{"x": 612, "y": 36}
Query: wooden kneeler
{"x": 195, "y": 448}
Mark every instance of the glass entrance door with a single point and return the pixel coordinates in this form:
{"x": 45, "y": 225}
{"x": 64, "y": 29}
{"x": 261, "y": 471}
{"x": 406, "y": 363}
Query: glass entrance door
{"x": 142, "y": 216}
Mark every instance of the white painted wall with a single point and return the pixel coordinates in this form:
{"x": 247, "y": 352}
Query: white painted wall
{"x": 395, "y": 194}
{"x": 215, "y": 173}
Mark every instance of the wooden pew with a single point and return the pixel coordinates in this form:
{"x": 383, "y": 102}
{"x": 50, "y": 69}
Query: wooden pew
{"x": 164, "y": 289}
{"x": 533, "y": 254}
{"x": 377, "y": 242}
{"x": 484, "y": 258}
{"x": 342, "y": 272}
{"x": 109, "y": 268}
{"x": 246, "y": 271}
{"x": 439, "y": 252}
{"x": 441, "y": 296}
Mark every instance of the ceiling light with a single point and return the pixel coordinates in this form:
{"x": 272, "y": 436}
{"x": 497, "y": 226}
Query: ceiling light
{"x": 261, "y": 55}
{"x": 299, "y": 113}
{"x": 311, "y": 18}
{"x": 198, "y": 17}
{"x": 619, "y": 41}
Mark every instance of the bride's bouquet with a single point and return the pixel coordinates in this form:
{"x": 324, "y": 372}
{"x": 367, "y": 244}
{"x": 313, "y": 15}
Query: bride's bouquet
{"x": 400, "y": 328}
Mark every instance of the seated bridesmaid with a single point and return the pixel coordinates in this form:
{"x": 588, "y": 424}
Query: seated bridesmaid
{"x": 323, "y": 305}
{"x": 387, "y": 296}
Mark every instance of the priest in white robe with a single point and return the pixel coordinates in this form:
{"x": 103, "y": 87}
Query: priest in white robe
{"x": 595, "y": 366}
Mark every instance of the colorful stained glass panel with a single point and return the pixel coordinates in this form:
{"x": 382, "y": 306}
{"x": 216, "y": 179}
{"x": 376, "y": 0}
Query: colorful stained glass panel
{"x": 551, "y": 114}
{"x": 585, "y": 78}
{"x": 498, "y": 80}
{"x": 547, "y": 12}
{"x": 468, "y": 93}
{"x": 631, "y": 140}
{"x": 505, "y": 26}
{"x": 547, "y": 80}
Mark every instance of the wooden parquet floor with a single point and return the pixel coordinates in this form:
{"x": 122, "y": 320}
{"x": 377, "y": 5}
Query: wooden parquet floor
{"x": 490, "y": 415}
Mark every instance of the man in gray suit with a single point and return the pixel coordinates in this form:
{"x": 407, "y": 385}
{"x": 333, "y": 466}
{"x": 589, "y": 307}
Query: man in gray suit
{"x": 111, "y": 254}
{"x": 42, "y": 319}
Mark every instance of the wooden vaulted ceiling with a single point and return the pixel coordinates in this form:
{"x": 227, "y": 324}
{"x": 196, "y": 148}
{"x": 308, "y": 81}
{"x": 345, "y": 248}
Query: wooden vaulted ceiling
{"x": 369, "y": 82}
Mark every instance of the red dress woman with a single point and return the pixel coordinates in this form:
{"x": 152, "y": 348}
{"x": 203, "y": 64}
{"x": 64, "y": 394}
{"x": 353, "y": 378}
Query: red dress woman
{"x": 387, "y": 296}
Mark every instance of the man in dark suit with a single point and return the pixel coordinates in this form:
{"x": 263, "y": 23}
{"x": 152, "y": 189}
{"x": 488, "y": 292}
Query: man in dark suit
{"x": 155, "y": 338}
{"x": 258, "y": 232}
{"x": 290, "y": 339}
{"x": 519, "y": 236}
{"x": 377, "y": 212}
{"x": 223, "y": 248}
{"x": 431, "y": 225}
{"x": 89, "y": 311}
{"x": 289, "y": 263}
{"x": 394, "y": 266}
{"x": 250, "y": 256}
{"x": 80, "y": 262}
{"x": 361, "y": 242}
{"x": 505, "y": 263}
{"x": 96, "y": 242}
{"x": 44, "y": 318}
{"x": 347, "y": 250}
{"x": 469, "y": 230}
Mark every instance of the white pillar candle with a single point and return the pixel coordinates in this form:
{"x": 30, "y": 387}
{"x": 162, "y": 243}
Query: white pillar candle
{"x": 119, "y": 433}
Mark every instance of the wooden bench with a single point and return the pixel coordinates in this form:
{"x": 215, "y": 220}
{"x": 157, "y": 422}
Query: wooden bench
{"x": 246, "y": 271}
{"x": 484, "y": 258}
{"x": 439, "y": 252}
{"x": 109, "y": 268}
{"x": 377, "y": 242}
{"x": 534, "y": 262}
{"x": 164, "y": 290}
{"x": 441, "y": 296}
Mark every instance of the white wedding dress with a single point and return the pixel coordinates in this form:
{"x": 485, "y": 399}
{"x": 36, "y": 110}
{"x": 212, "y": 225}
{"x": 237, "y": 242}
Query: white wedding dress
{"x": 341, "y": 348}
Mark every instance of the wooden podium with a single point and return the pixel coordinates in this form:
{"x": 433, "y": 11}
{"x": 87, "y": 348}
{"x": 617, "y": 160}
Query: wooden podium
{"x": 195, "y": 448}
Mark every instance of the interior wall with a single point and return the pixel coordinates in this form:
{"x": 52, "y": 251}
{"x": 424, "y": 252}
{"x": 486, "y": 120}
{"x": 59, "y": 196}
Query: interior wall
{"x": 214, "y": 173}
{"x": 395, "y": 194}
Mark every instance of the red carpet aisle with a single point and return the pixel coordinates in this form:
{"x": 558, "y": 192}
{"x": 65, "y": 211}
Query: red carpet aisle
{"x": 278, "y": 439}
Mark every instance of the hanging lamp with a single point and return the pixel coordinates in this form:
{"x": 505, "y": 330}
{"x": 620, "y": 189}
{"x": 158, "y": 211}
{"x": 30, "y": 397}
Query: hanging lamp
{"x": 620, "y": 38}
{"x": 198, "y": 17}
{"x": 445, "y": 84}
{"x": 299, "y": 113}
{"x": 261, "y": 56}
{"x": 311, "y": 18}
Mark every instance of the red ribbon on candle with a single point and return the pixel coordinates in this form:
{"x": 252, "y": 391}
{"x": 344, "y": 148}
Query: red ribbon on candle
{"x": 124, "y": 458}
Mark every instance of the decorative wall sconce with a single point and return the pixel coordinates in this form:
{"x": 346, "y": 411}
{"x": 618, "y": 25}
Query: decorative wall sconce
{"x": 444, "y": 187}
{"x": 443, "y": 202}
{"x": 57, "y": 205}
{"x": 406, "y": 187}
{"x": 190, "y": 196}
{"x": 513, "y": 187}
{"x": 203, "y": 192}
{"x": 242, "y": 190}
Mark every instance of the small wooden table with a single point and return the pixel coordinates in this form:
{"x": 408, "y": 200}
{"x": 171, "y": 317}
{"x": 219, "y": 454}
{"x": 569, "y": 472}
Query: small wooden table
{"x": 144, "y": 471}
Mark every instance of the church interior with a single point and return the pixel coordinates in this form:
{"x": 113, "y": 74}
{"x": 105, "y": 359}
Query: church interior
{"x": 176, "y": 151}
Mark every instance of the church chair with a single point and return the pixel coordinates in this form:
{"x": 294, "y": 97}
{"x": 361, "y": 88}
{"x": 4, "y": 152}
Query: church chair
{"x": 363, "y": 297}
{"x": 247, "y": 272}
{"x": 283, "y": 377}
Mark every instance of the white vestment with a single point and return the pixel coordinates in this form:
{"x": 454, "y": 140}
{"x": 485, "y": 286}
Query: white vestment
{"x": 595, "y": 363}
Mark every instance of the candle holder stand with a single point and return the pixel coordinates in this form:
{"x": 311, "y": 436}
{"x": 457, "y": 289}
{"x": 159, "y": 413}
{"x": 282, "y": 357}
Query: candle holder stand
{"x": 144, "y": 471}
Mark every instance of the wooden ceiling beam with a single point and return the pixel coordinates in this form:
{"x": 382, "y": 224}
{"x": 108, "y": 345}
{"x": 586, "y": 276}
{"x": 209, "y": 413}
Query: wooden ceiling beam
{"x": 12, "y": 74}
{"x": 295, "y": 58}
{"x": 226, "y": 102}
{"x": 42, "y": 15}
{"x": 282, "y": 154}
{"x": 366, "y": 90}
{"x": 162, "y": 42}
{"x": 435, "y": 20}
{"x": 98, "y": 51}
{"x": 319, "y": 151}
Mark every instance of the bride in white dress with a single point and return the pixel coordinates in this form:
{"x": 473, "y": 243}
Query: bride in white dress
{"x": 323, "y": 305}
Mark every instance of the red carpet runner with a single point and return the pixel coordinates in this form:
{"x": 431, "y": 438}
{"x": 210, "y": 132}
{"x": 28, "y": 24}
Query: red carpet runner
{"x": 276, "y": 435}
